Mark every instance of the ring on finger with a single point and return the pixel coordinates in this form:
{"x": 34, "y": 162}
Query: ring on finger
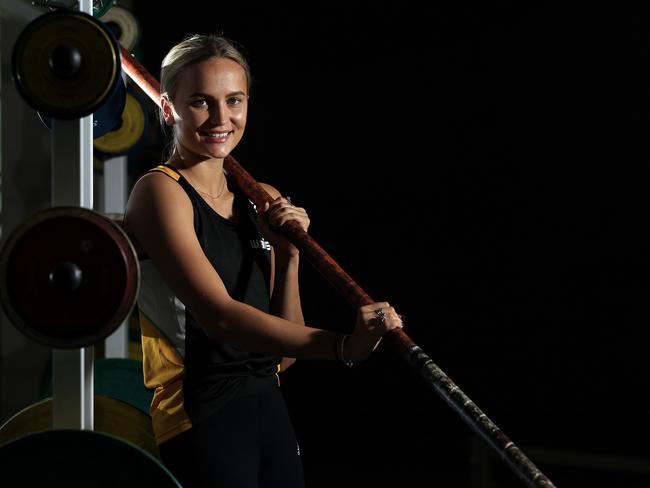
{"x": 381, "y": 315}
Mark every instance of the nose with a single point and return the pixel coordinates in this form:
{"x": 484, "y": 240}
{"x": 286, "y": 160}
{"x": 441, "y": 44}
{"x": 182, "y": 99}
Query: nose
{"x": 218, "y": 114}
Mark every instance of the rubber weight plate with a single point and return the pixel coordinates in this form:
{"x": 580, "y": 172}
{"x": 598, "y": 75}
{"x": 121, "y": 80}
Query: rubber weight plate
{"x": 100, "y": 7}
{"x": 81, "y": 458}
{"x": 111, "y": 415}
{"x": 124, "y": 26}
{"x": 66, "y": 64}
{"x": 107, "y": 117}
{"x": 128, "y": 133}
{"x": 70, "y": 277}
{"x": 119, "y": 378}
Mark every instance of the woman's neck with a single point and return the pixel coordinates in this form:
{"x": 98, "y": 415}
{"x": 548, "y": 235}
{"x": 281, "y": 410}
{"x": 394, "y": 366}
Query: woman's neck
{"x": 207, "y": 178}
{"x": 206, "y": 175}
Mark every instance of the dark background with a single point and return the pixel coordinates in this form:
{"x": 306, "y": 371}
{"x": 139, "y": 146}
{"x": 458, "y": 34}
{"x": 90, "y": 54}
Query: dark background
{"x": 482, "y": 168}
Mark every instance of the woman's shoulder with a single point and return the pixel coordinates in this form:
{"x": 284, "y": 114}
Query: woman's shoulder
{"x": 159, "y": 182}
{"x": 271, "y": 190}
{"x": 157, "y": 175}
{"x": 156, "y": 197}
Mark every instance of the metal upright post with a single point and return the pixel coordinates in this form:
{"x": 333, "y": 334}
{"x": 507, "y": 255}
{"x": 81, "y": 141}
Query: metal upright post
{"x": 72, "y": 184}
{"x": 115, "y": 194}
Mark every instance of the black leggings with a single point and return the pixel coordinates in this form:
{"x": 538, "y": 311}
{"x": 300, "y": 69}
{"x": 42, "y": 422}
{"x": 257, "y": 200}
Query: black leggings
{"x": 248, "y": 443}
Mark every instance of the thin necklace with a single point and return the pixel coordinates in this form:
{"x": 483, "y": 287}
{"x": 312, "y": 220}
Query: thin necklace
{"x": 221, "y": 192}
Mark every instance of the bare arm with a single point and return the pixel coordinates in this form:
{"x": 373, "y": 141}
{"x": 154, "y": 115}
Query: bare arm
{"x": 285, "y": 294}
{"x": 285, "y": 301}
{"x": 159, "y": 220}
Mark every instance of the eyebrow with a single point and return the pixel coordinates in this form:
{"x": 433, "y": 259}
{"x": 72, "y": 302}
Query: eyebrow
{"x": 200, "y": 94}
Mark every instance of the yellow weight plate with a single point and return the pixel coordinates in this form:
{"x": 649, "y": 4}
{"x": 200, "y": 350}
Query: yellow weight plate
{"x": 34, "y": 418}
{"x": 111, "y": 416}
{"x": 82, "y": 39}
{"x": 124, "y": 25}
{"x": 129, "y": 132}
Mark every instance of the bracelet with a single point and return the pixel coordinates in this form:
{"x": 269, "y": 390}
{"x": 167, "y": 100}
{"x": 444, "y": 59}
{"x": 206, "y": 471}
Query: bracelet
{"x": 339, "y": 348}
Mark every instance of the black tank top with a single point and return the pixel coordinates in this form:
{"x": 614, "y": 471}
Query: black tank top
{"x": 215, "y": 371}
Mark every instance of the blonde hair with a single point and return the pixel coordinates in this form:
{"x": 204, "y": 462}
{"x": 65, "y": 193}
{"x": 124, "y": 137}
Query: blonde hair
{"x": 195, "y": 48}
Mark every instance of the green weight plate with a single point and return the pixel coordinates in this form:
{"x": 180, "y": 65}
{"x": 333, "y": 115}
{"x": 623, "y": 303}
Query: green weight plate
{"x": 81, "y": 458}
{"x": 100, "y": 7}
{"x": 119, "y": 378}
{"x": 123, "y": 379}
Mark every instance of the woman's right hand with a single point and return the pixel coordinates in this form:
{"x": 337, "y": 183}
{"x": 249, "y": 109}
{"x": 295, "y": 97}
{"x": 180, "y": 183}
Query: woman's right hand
{"x": 373, "y": 321}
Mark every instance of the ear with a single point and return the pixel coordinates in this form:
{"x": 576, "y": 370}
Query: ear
{"x": 167, "y": 110}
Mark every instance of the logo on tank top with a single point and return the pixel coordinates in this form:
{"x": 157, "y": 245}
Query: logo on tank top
{"x": 261, "y": 244}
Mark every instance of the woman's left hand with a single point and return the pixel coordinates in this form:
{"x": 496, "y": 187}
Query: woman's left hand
{"x": 273, "y": 216}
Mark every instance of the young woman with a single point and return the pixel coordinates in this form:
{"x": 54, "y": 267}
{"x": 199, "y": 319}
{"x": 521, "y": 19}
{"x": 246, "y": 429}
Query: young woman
{"x": 219, "y": 303}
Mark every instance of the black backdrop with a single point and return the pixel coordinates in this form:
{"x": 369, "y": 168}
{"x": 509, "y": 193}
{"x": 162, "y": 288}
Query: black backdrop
{"x": 483, "y": 168}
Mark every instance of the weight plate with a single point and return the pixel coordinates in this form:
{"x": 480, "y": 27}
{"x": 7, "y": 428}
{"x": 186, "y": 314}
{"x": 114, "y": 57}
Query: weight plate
{"x": 107, "y": 117}
{"x": 66, "y": 64}
{"x": 126, "y": 135}
{"x": 119, "y": 378}
{"x": 81, "y": 458}
{"x": 124, "y": 25}
{"x": 100, "y": 7}
{"x": 111, "y": 415}
{"x": 70, "y": 277}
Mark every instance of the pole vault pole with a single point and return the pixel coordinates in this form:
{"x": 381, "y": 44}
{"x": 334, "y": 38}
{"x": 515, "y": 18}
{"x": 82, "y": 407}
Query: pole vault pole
{"x": 423, "y": 365}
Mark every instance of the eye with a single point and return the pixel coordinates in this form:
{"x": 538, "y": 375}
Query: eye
{"x": 199, "y": 102}
{"x": 234, "y": 100}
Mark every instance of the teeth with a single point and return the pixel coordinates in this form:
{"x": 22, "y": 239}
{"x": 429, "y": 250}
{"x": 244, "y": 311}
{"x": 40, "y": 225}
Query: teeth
{"x": 221, "y": 135}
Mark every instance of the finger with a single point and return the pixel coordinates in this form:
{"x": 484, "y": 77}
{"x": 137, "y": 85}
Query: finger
{"x": 279, "y": 216}
{"x": 281, "y": 206}
{"x": 281, "y": 201}
{"x": 270, "y": 212}
{"x": 377, "y": 312}
{"x": 287, "y": 213}
{"x": 379, "y": 320}
{"x": 393, "y": 319}
{"x": 384, "y": 320}
{"x": 302, "y": 221}
{"x": 393, "y": 323}
{"x": 373, "y": 306}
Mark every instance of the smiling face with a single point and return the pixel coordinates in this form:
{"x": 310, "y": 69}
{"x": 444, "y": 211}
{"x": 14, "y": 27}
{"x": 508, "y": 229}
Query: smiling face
{"x": 209, "y": 109}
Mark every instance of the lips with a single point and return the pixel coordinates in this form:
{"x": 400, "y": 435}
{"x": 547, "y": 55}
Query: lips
{"x": 216, "y": 136}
